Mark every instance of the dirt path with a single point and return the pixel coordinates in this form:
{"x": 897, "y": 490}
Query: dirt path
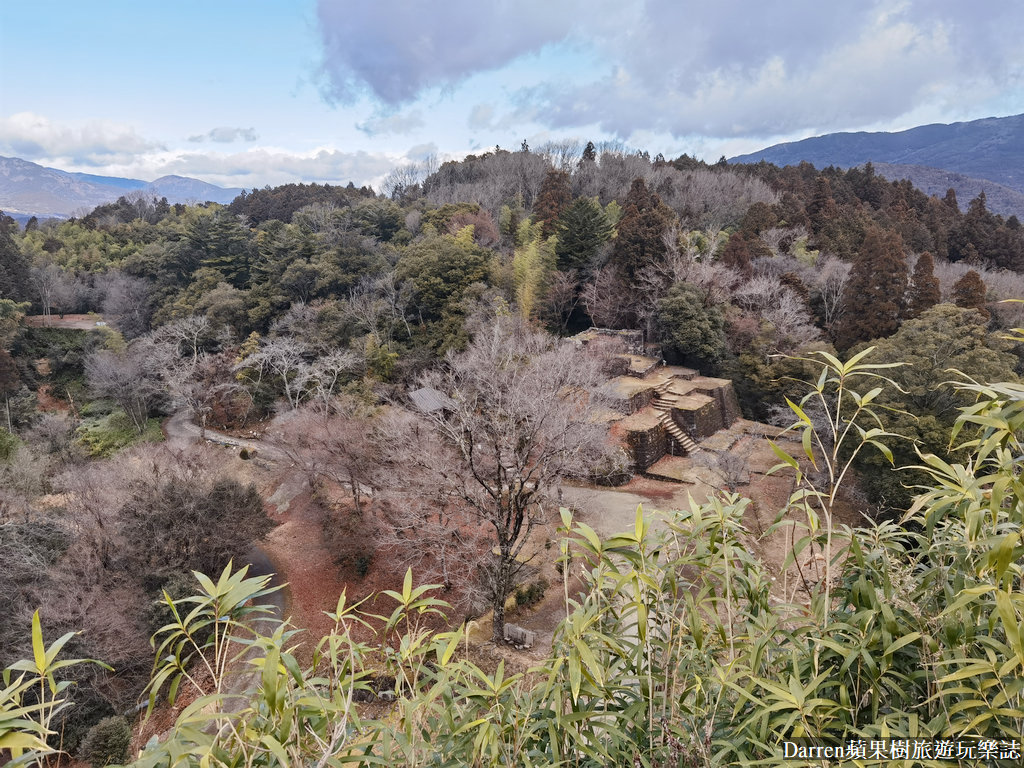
{"x": 74, "y": 322}
{"x": 181, "y": 432}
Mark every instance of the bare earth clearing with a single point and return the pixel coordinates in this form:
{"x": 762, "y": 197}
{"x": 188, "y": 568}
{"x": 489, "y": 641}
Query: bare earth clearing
{"x": 75, "y": 322}
{"x": 297, "y": 548}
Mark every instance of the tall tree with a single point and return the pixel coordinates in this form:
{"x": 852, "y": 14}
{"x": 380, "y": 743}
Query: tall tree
{"x": 10, "y": 383}
{"x": 641, "y": 230}
{"x": 970, "y": 292}
{"x": 582, "y": 229}
{"x": 736, "y": 254}
{"x": 516, "y": 426}
{"x": 691, "y": 331}
{"x": 554, "y": 197}
{"x": 873, "y": 297}
{"x": 924, "y": 287}
{"x": 14, "y": 267}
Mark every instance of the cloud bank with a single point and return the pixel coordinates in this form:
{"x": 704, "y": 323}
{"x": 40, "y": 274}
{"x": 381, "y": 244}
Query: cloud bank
{"x": 225, "y": 135}
{"x": 727, "y": 69}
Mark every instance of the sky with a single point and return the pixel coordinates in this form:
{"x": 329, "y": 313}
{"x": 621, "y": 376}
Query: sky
{"x": 257, "y": 92}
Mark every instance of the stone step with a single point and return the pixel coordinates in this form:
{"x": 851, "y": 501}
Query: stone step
{"x": 677, "y": 433}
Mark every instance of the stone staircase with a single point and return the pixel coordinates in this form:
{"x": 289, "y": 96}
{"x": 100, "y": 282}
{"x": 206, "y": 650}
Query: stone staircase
{"x": 663, "y": 402}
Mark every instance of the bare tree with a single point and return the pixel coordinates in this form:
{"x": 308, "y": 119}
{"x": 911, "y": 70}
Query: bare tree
{"x": 424, "y": 525}
{"x": 284, "y": 359}
{"x": 607, "y": 298}
{"x": 186, "y": 334}
{"x": 132, "y": 378}
{"x": 126, "y": 303}
{"x": 519, "y": 420}
{"x": 46, "y": 279}
{"x": 333, "y": 447}
{"x": 830, "y": 280}
{"x": 325, "y": 377}
{"x": 561, "y": 298}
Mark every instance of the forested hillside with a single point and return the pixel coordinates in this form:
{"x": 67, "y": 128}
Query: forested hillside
{"x": 307, "y": 313}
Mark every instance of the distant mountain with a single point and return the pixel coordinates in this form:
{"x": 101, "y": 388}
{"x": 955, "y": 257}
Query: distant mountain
{"x": 936, "y": 181}
{"x": 28, "y": 189}
{"x": 982, "y": 151}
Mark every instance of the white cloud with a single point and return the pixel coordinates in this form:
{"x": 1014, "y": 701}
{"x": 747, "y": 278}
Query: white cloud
{"x": 392, "y": 123}
{"x": 94, "y": 143}
{"x": 115, "y": 150}
{"x": 729, "y": 69}
{"x": 225, "y": 135}
{"x": 397, "y": 48}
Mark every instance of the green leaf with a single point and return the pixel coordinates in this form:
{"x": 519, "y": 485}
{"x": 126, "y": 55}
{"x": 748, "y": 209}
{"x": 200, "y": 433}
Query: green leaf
{"x": 38, "y": 649}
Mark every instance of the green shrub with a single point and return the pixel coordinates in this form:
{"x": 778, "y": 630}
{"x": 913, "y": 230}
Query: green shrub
{"x": 105, "y": 435}
{"x": 107, "y": 742}
{"x": 531, "y": 594}
{"x": 8, "y": 445}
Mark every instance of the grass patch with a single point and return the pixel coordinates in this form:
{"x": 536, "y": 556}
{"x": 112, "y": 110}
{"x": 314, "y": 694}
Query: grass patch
{"x": 104, "y": 435}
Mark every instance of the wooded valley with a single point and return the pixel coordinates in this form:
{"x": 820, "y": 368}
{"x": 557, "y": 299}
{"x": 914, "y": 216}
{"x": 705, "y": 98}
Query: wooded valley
{"x": 397, "y": 381}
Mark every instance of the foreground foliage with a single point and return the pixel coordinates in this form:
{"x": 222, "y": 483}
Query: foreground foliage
{"x": 678, "y": 652}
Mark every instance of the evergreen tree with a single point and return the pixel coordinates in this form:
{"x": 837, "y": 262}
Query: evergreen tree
{"x": 13, "y": 264}
{"x": 873, "y": 297}
{"x": 224, "y": 244}
{"x": 951, "y": 201}
{"x": 924, "y": 287}
{"x": 641, "y": 229}
{"x": 970, "y": 292}
{"x": 554, "y": 197}
{"x": 692, "y": 332}
{"x": 736, "y": 254}
{"x": 589, "y": 153}
{"x": 581, "y": 230}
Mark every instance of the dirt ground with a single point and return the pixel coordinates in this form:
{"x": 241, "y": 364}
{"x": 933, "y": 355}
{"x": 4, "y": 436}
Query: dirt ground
{"x": 76, "y": 322}
{"x": 315, "y": 580}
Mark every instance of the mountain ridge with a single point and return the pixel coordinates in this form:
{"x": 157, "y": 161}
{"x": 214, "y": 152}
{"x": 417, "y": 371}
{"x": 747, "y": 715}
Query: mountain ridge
{"x": 988, "y": 151}
{"x": 29, "y": 189}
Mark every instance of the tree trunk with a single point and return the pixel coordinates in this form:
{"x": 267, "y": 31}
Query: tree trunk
{"x": 502, "y": 588}
{"x": 7, "y": 405}
{"x": 498, "y": 623}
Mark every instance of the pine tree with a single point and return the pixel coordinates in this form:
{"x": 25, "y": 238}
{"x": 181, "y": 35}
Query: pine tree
{"x": 581, "y": 230}
{"x": 924, "y": 287}
{"x": 640, "y": 230}
{"x": 970, "y": 292}
{"x": 873, "y": 298}
{"x": 554, "y": 197}
{"x": 589, "y": 153}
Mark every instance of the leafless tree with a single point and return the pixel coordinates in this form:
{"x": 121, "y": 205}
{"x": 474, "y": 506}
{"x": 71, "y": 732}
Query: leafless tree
{"x": 325, "y": 375}
{"x": 185, "y": 334}
{"x": 333, "y": 447}
{"x": 830, "y": 280}
{"x": 284, "y": 359}
{"x": 424, "y": 525}
{"x": 561, "y": 298}
{"x": 607, "y": 298}
{"x": 126, "y": 303}
{"x": 377, "y": 305}
{"x": 519, "y": 421}
{"x": 46, "y": 279}
{"x": 732, "y": 466}
{"x": 132, "y": 378}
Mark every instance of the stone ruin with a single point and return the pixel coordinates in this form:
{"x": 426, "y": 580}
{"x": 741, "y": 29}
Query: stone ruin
{"x": 521, "y": 638}
{"x": 660, "y": 410}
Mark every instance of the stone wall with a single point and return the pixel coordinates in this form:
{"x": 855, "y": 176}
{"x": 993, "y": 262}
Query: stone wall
{"x": 700, "y": 421}
{"x": 647, "y": 446}
{"x": 724, "y": 395}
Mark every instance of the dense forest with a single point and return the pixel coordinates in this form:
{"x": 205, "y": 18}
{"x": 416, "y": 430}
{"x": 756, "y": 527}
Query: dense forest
{"x": 308, "y": 313}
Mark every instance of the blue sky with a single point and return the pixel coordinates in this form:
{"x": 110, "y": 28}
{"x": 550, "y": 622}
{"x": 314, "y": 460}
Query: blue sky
{"x": 258, "y": 92}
